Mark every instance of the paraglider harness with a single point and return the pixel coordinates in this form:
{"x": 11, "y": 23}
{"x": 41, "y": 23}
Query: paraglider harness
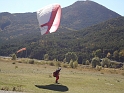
{"x": 55, "y": 73}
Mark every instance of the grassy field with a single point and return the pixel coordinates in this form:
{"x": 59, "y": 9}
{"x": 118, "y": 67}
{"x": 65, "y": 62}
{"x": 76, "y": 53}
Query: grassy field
{"x": 34, "y": 78}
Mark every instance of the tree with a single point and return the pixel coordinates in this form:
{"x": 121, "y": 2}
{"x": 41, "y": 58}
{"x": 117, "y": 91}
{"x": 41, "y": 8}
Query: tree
{"x": 14, "y": 56}
{"x": 68, "y": 56}
{"x": 75, "y": 64}
{"x": 95, "y": 61}
{"x": 71, "y": 56}
{"x": 71, "y": 63}
{"x": 80, "y": 59}
{"x": 121, "y": 55}
{"x": 116, "y": 55}
{"x": 46, "y": 57}
{"x": 74, "y": 56}
{"x": 105, "y": 62}
{"x": 87, "y": 62}
{"x": 97, "y": 53}
{"x": 109, "y": 55}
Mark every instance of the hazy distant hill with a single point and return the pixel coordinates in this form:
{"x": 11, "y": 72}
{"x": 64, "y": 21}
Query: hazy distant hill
{"x": 82, "y": 14}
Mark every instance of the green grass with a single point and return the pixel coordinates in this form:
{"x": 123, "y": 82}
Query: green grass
{"x": 35, "y": 78}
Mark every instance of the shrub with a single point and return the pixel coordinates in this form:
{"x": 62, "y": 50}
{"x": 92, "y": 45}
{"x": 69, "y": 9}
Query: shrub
{"x": 13, "y": 62}
{"x": 14, "y": 56}
{"x": 105, "y": 62}
{"x": 75, "y": 64}
{"x": 51, "y": 64}
{"x": 58, "y": 64}
{"x": 24, "y": 61}
{"x": 95, "y": 61}
{"x": 31, "y": 61}
{"x": 65, "y": 65}
{"x": 71, "y": 64}
{"x": 17, "y": 88}
{"x": 5, "y": 88}
{"x": 46, "y": 57}
{"x": 116, "y": 65}
{"x": 16, "y": 67}
{"x": 87, "y": 62}
{"x": 99, "y": 68}
{"x": 105, "y": 66}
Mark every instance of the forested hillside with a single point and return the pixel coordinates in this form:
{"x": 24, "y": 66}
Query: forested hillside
{"x": 107, "y": 36}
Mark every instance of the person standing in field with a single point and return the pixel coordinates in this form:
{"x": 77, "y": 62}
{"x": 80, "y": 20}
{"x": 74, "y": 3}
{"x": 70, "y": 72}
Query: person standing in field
{"x": 56, "y": 74}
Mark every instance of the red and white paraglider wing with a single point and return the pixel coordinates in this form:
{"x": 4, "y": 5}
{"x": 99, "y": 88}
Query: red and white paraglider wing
{"x": 21, "y": 50}
{"x": 49, "y": 18}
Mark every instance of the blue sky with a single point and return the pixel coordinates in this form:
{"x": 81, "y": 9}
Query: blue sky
{"x": 22, "y": 6}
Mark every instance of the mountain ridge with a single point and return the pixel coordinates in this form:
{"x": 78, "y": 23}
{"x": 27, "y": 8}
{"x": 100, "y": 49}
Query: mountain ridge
{"x": 88, "y": 13}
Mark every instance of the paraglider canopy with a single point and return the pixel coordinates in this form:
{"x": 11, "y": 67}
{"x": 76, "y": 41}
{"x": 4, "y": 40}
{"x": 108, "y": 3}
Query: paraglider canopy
{"x": 49, "y": 18}
{"x": 21, "y": 50}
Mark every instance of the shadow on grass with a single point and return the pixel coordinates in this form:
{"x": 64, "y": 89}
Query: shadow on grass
{"x": 53, "y": 87}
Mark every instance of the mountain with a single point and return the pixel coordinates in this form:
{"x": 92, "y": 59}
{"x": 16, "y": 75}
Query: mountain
{"x": 15, "y": 25}
{"x": 82, "y": 14}
{"x": 79, "y": 15}
{"x": 21, "y": 30}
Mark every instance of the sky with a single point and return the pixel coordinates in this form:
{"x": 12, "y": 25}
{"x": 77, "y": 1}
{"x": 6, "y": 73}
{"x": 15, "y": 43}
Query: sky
{"x": 23, "y": 6}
